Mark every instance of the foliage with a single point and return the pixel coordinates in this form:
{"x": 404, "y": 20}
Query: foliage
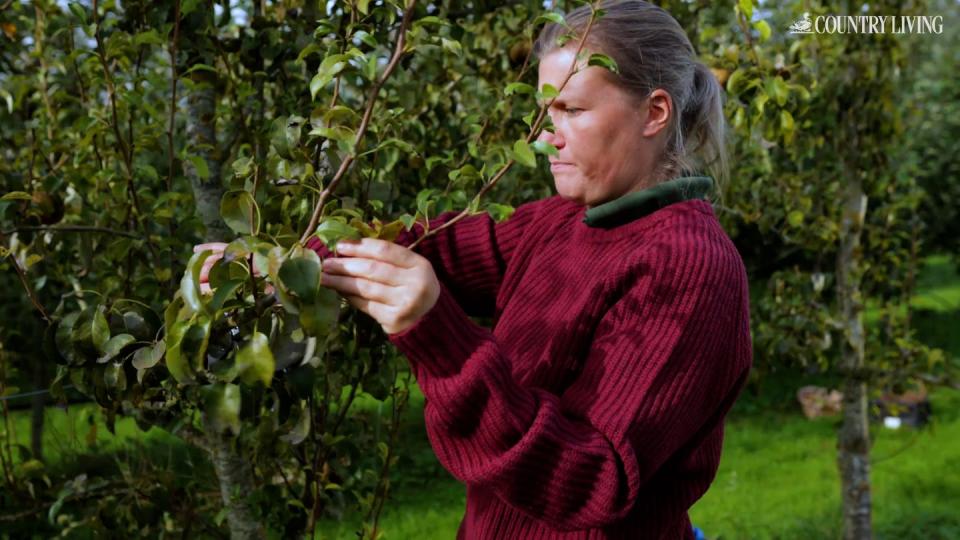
{"x": 132, "y": 131}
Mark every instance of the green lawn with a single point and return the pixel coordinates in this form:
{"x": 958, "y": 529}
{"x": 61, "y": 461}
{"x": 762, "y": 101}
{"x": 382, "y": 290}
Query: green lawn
{"x": 777, "y": 478}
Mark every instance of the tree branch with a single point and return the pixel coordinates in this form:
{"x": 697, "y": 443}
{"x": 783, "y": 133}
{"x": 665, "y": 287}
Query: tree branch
{"x": 69, "y": 228}
{"x": 364, "y": 122}
{"x": 534, "y": 132}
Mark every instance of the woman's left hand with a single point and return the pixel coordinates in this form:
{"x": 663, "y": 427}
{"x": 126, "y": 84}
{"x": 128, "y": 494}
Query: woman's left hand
{"x": 390, "y": 283}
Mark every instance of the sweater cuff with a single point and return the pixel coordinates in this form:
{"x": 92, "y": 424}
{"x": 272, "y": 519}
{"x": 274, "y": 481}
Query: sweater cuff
{"x": 442, "y": 340}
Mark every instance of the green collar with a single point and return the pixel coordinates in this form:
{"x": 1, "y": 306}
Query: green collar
{"x": 640, "y": 203}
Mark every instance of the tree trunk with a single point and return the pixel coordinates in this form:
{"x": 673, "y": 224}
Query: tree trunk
{"x": 202, "y": 137}
{"x": 854, "y": 438}
{"x": 201, "y": 123}
{"x": 236, "y": 485}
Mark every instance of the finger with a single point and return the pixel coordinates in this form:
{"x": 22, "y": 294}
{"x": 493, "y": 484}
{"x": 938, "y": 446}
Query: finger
{"x": 371, "y": 269}
{"x": 354, "y": 286}
{"x": 207, "y": 265}
{"x": 216, "y": 247}
{"x": 380, "y": 312}
{"x": 381, "y": 250}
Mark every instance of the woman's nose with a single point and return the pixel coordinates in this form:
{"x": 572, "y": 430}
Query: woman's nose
{"x": 551, "y": 137}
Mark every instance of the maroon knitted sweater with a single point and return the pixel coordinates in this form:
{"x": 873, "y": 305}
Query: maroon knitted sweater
{"x": 594, "y": 407}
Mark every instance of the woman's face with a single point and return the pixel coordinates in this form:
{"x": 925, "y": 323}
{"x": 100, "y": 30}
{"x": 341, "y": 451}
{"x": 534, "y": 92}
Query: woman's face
{"x": 607, "y": 138}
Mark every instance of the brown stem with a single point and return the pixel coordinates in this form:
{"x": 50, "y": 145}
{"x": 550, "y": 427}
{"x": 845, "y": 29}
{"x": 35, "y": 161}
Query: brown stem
{"x": 125, "y": 150}
{"x": 26, "y": 287}
{"x": 173, "y": 92}
{"x": 364, "y": 122}
{"x": 69, "y": 228}
{"x": 380, "y": 496}
{"x": 534, "y": 132}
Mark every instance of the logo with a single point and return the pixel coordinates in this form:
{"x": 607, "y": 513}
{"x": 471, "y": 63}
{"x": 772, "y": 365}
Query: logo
{"x": 802, "y": 26}
{"x": 868, "y": 24}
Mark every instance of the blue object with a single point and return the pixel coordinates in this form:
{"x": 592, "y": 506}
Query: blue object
{"x": 698, "y": 534}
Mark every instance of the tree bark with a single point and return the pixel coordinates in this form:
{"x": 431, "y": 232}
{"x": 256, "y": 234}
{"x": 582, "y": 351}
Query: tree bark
{"x": 201, "y": 123}
{"x": 236, "y": 485}
{"x": 202, "y": 140}
{"x": 853, "y": 442}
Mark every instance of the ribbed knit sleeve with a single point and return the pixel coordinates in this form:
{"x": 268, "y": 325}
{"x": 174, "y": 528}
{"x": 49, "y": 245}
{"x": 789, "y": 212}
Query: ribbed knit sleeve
{"x": 665, "y": 359}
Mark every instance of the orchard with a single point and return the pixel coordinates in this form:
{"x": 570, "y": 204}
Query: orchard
{"x": 266, "y": 132}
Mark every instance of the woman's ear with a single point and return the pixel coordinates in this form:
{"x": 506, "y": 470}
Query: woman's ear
{"x": 659, "y": 108}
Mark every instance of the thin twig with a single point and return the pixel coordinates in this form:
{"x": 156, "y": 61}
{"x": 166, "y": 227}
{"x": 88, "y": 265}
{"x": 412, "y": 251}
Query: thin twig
{"x": 173, "y": 93}
{"x": 125, "y": 150}
{"x": 534, "y": 132}
{"x": 364, "y": 122}
{"x": 69, "y": 228}
{"x": 26, "y": 287}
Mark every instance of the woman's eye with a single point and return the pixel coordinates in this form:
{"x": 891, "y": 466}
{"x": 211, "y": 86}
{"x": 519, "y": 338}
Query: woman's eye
{"x": 573, "y": 110}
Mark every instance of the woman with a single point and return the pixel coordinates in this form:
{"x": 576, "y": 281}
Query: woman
{"x": 594, "y": 407}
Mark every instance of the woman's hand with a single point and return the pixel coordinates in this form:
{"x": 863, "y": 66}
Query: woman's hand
{"x": 217, "y": 249}
{"x": 390, "y": 283}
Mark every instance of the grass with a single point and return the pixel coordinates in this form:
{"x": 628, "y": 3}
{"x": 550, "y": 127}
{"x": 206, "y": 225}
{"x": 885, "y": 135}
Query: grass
{"x": 777, "y": 478}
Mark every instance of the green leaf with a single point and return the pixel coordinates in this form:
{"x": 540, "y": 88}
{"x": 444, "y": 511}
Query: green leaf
{"x": 115, "y": 377}
{"x": 500, "y": 212}
{"x": 524, "y": 154}
{"x": 62, "y": 338}
{"x": 223, "y": 292}
{"x": 255, "y": 360}
{"x": 777, "y": 89}
{"x": 550, "y": 17}
{"x": 79, "y": 12}
{"x": 200, "y": 67}
{"x": 545, "y": 148}
{"x": 114, "y": 345}
{"x": 329, "y": 68}
{"x": 190, "y": 283}
{"x": 451, "y": 46}
{"x": 547, "y": 91}
{"x": 221, "y": 411}
{"x": 150, "y": 37}
{"x": 603, "y": 61}
{"x": 363, "y": 6}
{"x": 193, "y": 346}
{"x": 795, "y": 218}
{"x": 200, "y": 166}
{"x": 16, "y": 196}
{"x": 90, "y": 331}
{"x": 240, "y": 212}
{"x": 8, "y": 98}
{"x": 332, "y": 230}
{"x": 764, "y": 29}
{"x": 301, "y": 276}
{"x": 300, "y": 429}
{"x": 320, "y": 317}
{"x": 746, "y": 7}
{"x": 177, "y": 363}
{"x": 147, "y": 357}
{"x": 285, "y": 135}
{"x": 518, "y": 88}
{"x": 786, "y": 122}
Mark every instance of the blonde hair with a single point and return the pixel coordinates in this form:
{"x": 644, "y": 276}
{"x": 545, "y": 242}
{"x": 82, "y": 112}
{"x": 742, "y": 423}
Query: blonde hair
{"x": 652, "y": 51}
